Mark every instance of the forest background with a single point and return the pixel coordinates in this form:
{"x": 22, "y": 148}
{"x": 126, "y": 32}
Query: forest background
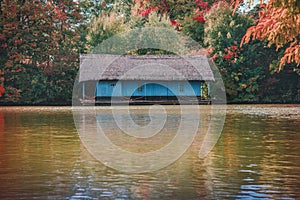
{"x": 255, "y": 45}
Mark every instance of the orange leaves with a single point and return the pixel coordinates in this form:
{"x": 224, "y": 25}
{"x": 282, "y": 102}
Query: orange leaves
{"x": 291, "y": 54}
{"x": 235, "y": 4}
{"x": 279, "y": 24}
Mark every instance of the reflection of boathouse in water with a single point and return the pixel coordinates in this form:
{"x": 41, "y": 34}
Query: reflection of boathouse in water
{"x": 148, "y": 79}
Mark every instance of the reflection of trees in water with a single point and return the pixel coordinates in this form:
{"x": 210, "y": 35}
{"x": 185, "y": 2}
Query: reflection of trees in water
{"x": 41, "y": 156}
{"x": 2, "y": 133}
{"x": 141, "y": 118}
{"x": 39, "y": 151}
{"x": 254, "y": 157}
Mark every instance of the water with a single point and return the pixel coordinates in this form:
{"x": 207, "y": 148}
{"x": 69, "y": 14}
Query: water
{"x": 256, "y": 157}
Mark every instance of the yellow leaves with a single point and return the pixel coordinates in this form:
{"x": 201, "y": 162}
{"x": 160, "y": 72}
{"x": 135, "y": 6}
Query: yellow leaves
{"x": 293, "y": 5}
{"x": 228, "y": 35}
{"x": 244, "y": 86}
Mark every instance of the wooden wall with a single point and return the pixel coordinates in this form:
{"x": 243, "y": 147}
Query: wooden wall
{"x": 148, "y": 88}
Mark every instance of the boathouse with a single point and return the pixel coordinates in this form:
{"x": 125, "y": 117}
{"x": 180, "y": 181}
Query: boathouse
{"x": 147, "y": 79}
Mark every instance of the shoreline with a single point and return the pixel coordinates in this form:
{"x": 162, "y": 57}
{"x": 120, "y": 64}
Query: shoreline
{"x": 70, "y": 105}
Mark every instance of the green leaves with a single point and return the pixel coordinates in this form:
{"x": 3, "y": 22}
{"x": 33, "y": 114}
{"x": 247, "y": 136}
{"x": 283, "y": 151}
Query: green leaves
{"x": 36, "y": 39}
{"x": 223, "y": 31}
{"x": 278, "y": 23}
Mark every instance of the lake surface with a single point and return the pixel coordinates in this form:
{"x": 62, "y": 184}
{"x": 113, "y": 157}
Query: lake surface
{"x": 256, "y": 157}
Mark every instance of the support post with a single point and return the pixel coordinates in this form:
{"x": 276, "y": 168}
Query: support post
{"x": 83, "y": 92}
{"x": 201, "y": 90}
{"x": 208, "y": 90}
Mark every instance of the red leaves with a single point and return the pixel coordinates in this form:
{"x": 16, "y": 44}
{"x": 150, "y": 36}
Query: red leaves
{"x": 15, "y": 55}
{"x": 176, "y": 25}
{"x": 15, "y": 25}
{"x": 202, "y": 8}
{"x": 199, "y": 18}
{"x": 202, "y": 4}
{"x": 2, "y": 37}
{"x": 13, "y": 9}
{"x": 234, "y": 47}
{"x": 231, "y": 52}
{"x": 60, "y": 14}
{"x": 173, "y": 22}
{"x": 147, "y": 11}
{"x": 226, "y": 56}
{"x": 18, "y": 41}
{"x": 33, "y": 35}
{"x": 2, "y": 91}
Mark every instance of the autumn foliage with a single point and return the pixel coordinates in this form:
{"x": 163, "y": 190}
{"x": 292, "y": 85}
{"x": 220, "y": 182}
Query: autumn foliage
{"x": 279, "y": 24}
{"x": 40, "y": 42}
{"x": 37, "y": 42}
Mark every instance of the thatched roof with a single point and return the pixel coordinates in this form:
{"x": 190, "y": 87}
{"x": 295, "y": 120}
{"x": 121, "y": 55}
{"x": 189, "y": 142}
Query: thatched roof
{"x": 147, "y": 67}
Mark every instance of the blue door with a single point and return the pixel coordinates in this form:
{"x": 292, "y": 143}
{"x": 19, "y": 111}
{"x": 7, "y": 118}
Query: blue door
{"x": 105, "y": 88}
{"x": 133, "y": 88}
{"x": 156, "y": 89}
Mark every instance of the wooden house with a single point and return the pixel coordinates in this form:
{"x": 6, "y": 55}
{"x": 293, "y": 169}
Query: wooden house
{"x": 148, "y": 79}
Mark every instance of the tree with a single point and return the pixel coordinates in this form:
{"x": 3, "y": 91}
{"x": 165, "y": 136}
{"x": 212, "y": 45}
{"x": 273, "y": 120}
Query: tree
{"x": 279, "y": 24}
{"x": 245, "y": 69}
{"x": 103, "y": 27}
{"x": 114, "y": 28}
{"x": 241, "y": 68}
{"x": 38, "y": 49}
